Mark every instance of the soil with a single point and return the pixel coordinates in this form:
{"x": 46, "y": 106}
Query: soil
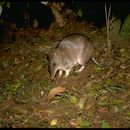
{"x": 97, "y": 97}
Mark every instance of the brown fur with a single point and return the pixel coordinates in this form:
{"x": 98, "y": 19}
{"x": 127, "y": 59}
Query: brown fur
{"x": 74, "y": 49}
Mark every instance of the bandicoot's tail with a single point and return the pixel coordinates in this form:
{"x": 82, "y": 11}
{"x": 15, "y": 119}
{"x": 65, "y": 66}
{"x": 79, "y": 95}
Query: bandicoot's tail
{"x": 94, "y": 60}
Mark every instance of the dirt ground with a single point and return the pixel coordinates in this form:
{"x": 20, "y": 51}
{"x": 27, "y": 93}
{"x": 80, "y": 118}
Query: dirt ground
{"x": 96, "y": 97}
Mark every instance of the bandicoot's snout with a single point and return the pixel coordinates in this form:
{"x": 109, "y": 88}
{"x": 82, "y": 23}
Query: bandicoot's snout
{"x": 52, "y": 74}
{"x": 52, "y": 58}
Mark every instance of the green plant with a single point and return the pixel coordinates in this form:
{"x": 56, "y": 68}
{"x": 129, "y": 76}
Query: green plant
{"x": 3, "y": 3}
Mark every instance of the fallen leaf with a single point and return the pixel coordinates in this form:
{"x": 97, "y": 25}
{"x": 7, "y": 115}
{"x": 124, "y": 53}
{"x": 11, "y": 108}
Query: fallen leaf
{"x": 93, "y": 32}
{"x": 53, "y": 122}
{"x": 74, "y": 123}
{"x": 81, "y": 102}
{"x": 73, "y": 99}
{"x": 103, "y": 110}
{"x": 83, "y": 123}
{"x": 55, "y": 91}
{"x": 116, "y": 102}
{"x": 109, "y": 72}
{"x": 16, "y": 61}
{"x": 103, "y": 103}
{"x": 113, "y": 109}
{"x": 105, "y": 125}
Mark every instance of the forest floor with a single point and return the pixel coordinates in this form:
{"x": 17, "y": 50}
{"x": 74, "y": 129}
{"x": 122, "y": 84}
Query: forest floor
{"x": 96, "y": 97}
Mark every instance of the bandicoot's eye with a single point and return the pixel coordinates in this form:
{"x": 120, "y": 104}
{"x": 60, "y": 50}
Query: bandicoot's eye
{"x": 54, "y": 64}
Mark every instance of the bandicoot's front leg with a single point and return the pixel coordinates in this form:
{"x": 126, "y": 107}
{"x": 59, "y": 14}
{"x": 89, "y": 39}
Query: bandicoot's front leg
{"x": 60, "y": 73}
{"x": 67, "y": 72}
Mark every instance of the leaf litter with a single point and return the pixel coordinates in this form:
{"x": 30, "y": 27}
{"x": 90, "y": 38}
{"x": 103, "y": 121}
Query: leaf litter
{"x": 95, "y": 97}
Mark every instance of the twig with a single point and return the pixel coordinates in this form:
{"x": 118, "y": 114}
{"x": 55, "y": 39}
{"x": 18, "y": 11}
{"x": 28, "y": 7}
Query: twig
{"x": 107, "y": 16}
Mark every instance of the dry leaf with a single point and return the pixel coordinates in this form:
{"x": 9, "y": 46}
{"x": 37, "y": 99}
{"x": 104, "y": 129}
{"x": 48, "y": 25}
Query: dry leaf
{"x": 73, "y": 123}
{"x": 53, "y": 122}
{"x": 55, "y": 91}
{"x": 81, "y": 102}
{"x": 73, "y": 99}
{"x": 93, "y": 32}
{"x": 103, "y": 110}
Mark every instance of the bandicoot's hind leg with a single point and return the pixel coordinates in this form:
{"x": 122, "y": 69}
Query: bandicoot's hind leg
{"x": 82, "y": 63}
{"x": 80, "y": 69}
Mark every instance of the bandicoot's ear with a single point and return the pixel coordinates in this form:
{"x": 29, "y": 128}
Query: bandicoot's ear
{"x": 47, "y": 56}
{"x": 54, "y": 53}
